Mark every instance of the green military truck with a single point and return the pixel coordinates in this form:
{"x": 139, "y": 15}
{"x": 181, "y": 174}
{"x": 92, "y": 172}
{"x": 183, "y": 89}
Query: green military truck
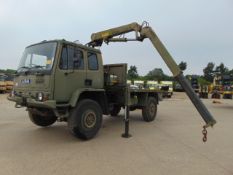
{"x": 65, "y": 81}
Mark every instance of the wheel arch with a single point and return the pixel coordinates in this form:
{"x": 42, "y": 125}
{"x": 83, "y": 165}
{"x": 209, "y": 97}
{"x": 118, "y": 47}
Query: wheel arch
{"x": 97, "y": 95}
{"x": 155, "y": 95}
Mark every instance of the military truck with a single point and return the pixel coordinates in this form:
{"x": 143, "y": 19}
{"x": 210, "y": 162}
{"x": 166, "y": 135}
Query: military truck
{"x": 151, "y": 84}
{"x": 59, "y": 80}
{"x": 167, "y": 86}
{"x": 139, "y": 84}
{"x": 64, "y": 81}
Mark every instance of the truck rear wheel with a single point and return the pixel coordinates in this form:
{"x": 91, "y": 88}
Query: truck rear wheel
{"x": 150, "y": 110}
{"x": 115, "y": 110}
{"x": 86, "y": 119}
{"x": 40, "y": 120}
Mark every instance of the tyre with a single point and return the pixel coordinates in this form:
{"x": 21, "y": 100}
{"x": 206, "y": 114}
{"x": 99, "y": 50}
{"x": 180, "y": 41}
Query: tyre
{"x": 150, "y": 110}
{"x": 115, "y": 110}
{"x": 45, "y": 120}
{"x": 86, "y": 119}
{"x": 216, "y": 95}
{"x": 227, "y": 96}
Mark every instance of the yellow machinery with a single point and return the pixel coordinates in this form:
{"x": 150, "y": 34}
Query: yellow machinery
{"x": 203, "y": 91}
{"x": 152, "y": 85}
{"x": 167, "y": 86}
{"x": 139, "y": 84}
{"x": 9, "y": 85}
{"x": 221, "y": 86}
{"x": 2, "y": 83}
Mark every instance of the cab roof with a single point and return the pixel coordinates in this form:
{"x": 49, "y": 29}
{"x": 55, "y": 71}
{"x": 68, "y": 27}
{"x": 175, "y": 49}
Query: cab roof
{"x": 63, "y": 41}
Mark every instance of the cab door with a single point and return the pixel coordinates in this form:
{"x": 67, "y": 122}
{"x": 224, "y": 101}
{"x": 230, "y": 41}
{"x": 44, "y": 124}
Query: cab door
{"x": 95, "y": 74}
{"x": 70, "y": 73}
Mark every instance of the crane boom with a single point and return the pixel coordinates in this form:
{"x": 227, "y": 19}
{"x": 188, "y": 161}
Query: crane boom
{"x": 144, "y": 31}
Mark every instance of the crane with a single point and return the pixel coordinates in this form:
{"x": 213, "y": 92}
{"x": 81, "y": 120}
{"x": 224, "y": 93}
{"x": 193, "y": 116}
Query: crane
{"x": 145, "y": 31}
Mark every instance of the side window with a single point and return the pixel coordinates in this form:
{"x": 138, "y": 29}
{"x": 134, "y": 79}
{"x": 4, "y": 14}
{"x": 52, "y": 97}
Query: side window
{"x": 92, "y": 61}
{"x": 71, "y": 58}
{"x": 78, "y": 61}
{"x": 64, "y": 59}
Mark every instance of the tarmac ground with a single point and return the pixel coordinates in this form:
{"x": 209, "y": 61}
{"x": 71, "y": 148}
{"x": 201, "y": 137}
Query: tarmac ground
{"x": 172, "y": 144}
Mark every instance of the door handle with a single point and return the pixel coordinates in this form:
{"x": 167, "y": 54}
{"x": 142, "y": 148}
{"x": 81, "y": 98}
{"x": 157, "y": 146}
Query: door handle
{"x": 88, "y": 82}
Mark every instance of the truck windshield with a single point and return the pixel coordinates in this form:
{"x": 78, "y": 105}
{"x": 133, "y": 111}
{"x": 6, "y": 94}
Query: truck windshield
{"x": 38, "y": 58}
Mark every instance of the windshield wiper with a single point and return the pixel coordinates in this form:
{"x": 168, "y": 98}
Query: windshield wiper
{"x": 23, "y": 67}
{"x": 38, "y": 66}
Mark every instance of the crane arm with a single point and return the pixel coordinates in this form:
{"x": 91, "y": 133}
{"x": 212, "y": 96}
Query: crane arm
{"x": 144, "y": 31}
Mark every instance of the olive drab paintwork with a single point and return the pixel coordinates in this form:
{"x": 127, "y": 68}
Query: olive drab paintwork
{"x": 72, "y": 84}
{"x": 61, "y": 86}
{"x": 142, "y": 32}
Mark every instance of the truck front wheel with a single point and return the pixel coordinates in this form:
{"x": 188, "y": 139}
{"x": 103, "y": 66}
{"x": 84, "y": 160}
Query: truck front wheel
{"x": 86, "y": 119}
{"x": 149, "y": 111}
{"x": 39, "y": 120}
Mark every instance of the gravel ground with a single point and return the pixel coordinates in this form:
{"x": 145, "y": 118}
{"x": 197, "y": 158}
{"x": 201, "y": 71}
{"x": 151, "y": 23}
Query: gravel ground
{"x": 172, "y": 144}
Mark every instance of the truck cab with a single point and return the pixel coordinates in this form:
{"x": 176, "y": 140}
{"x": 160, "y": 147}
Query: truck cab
{"x": 66, "y": 81}
{"x": 49, "y": 73}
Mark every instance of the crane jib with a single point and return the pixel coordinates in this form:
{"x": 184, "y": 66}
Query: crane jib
{"x": 143, "y": 32}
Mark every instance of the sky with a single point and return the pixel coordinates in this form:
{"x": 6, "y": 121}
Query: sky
{"x": 194, "y": 31}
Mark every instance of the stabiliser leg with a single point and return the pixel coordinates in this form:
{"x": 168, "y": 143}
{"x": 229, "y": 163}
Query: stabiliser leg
{"x": 126, "y": 119}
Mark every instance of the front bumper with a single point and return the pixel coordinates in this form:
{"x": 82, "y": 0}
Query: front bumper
{"x": 29, "y": 102}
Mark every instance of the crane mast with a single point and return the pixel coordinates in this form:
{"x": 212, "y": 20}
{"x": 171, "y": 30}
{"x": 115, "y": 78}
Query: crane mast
{"x": 145, "y": 31}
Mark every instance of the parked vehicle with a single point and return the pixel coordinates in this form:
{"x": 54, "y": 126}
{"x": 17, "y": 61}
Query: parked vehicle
{"x": 66, "y": 81}
{"x": 3, "y": 86}
{"x": 167, "y": 86}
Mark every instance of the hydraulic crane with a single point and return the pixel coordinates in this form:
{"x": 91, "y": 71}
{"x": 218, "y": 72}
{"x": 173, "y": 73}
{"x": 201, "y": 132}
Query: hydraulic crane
{"x": 145, "y": 31}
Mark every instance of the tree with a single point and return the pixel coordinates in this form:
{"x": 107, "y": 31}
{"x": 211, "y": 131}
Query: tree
{"x": 132, "y": 73}
{"x": 231, "y": 72}
{"x": 202, "y": 81}
{"x": 155, "y": 74}
{"x": 182, "y": 65}
{"x": 222, "y": 69}
{"x": 209, "y": 72}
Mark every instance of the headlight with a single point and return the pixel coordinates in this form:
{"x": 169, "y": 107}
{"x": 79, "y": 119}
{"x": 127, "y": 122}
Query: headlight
{"x": 40, "y": 96}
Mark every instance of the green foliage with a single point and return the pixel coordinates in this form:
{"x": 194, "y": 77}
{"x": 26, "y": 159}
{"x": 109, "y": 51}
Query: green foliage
{"x": 155, "y": 74}
{"x": 158, "y": 75}
{"x": 209, "y": 72}
{"x": 231, "y": 73}
{"x": 183, "y": 66}
{"x": 7, "y": 71}
{"x": 222, "y": 69}
{"x": 132, "y": 73}
{"x": 202, "y": 81}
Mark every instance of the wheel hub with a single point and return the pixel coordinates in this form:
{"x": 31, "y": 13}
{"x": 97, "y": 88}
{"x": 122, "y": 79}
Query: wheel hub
{"x": 152, "y": 109}
{"x": 89, "y": 119}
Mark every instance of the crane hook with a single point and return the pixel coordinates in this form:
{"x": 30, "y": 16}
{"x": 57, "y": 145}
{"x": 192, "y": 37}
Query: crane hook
{"x": 204, "y": 132}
